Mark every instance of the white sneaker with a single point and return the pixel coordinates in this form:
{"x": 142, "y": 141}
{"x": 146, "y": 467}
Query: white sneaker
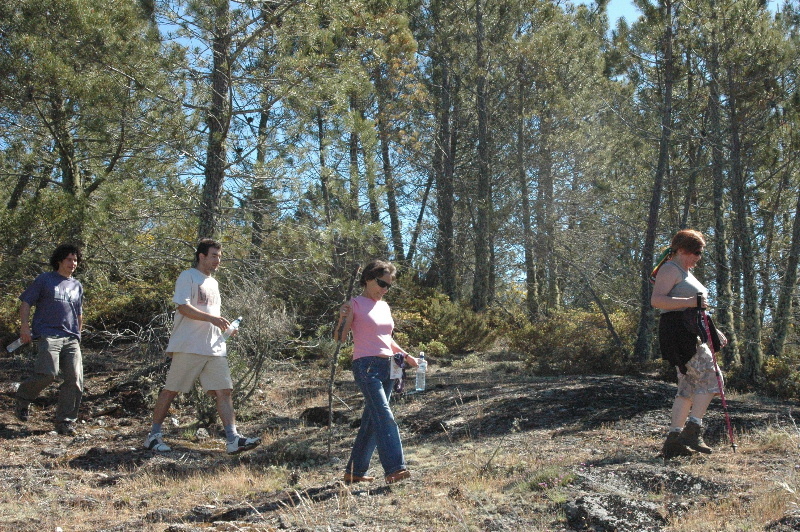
{"x": 241, "y": 444}
{"x": 155, "y": 442}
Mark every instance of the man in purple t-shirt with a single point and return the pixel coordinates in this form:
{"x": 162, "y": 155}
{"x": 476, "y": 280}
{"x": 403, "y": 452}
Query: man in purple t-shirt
{"x": 57, "y": 324}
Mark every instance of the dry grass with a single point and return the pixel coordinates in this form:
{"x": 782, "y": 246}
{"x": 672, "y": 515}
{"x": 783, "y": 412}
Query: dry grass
{"x": 470, "y": 473}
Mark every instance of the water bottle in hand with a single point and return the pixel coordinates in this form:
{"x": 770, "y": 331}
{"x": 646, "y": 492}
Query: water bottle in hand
{"x": 231, "y": 328}
{"x": 422, "y": 367}
{"x": 13, "y": 345}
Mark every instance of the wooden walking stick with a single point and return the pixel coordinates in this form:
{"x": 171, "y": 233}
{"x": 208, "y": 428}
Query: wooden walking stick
{"x": 335, "y": 358}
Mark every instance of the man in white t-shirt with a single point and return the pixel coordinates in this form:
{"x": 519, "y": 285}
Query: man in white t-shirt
{"x": 198, "y": 350}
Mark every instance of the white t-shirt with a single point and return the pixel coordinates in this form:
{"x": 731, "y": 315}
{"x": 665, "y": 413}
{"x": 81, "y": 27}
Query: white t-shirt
{"x": 194, "y": 336}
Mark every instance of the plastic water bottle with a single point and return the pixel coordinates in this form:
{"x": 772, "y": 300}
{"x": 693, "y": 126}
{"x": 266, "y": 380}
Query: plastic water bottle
{"x": 421, "y": 369}
{"x": 13, "y": 345}
{"x": 232, "y": 327}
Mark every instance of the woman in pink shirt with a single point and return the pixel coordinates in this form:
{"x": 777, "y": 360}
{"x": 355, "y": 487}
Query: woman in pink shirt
{"x": 370, "y": 320}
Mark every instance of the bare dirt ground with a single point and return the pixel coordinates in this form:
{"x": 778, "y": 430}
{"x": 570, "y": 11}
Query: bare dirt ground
{"x": 490, "y": 446}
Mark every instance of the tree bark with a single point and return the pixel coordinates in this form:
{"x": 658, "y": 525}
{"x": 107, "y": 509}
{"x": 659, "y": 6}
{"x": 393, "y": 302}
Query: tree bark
{"x": 752, "y": 355}
{"x": 388, "y": 177}
{"x": 219, "y": 117}
{"x": 352, "y": 211}
{"x": 323, "y": 167}
{"x": 783, "y": 312}
{"x": 532, "y": 296}
{"x": 483, "y": 194}
{"x": 724, "y": 295}
{"x": 545, "y": 219}
{"x": 262, "y": 201}
{"x": 443, "y": 268}
{"x": 644, "y": 336}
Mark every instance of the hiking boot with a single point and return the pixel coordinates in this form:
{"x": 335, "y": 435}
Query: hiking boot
{"x": 673, "y": 447}
{"x": 691, "y": 438}
{"x": 22, "y": 410}
{"x": 66, "y": 428}
{"x": 398, "y": 476}
{"x": 349, "y": 478}
{"x": 155, "y": 442}
{"x": 241, "y": 444}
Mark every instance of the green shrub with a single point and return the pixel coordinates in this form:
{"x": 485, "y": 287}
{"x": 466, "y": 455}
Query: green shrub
{"x": 548, "y": 478}
{"x": 783, "y": 375}
{"x": 430, "y": 316}
{"x": 434, "y": 349}
{"x": 573, "y": 342}
{"x": 117, "y": 306}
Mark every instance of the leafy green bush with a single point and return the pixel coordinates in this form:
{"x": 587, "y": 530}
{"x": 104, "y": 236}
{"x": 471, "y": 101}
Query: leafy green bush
{"x": 434, "y": 349}
{"x": 783, "y": 375}
{"x": 116, "y": 306}
{"x": 429, "y": 316}
{"x": 573, "y": 342}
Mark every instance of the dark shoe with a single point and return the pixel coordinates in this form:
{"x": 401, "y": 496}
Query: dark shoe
{"x": 351, "y": 479}
{"x": 691, "y": 438}
{"x": 673, "y": 447}
{"x": 66, "y": 428}
{"x": 22, "y": 410}
{"x": 398, "y": 476}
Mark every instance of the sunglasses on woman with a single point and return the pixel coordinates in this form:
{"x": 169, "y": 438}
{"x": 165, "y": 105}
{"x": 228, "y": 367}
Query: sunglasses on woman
{"x": 383, "y": 284}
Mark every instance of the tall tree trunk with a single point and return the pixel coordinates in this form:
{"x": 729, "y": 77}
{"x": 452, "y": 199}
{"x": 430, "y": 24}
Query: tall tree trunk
{"x": 412, "y": 246}
{"x": 355, "y": 177}
{"x": 71, "y": 180}
{"x": 19, "y": 188}
{"x": 724, "y": 295}
{"x": 324, "y": 172}
{"x": 752, "y": 355}
{"x": 694, "y": 151}
{"x": 545, "y": 218}
{"x": 219, "y": 117}
{"x": 370, "y": 172}
{"x": 769, "y": 215}
{"x": 531, "y": 297}
{"x": 443, "y": 267}
{"x": 262, "y": 201}
{"x": 388, "y": 177}
{"x": 71, "y": 177}
{"x": 781, "y": 321}
{"x": 483, "y": 194}
{"x": 644, "y": 335}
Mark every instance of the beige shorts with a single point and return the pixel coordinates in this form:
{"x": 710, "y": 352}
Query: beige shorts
{"x": 186, "y": 368}
{"x": 701, "y": 374}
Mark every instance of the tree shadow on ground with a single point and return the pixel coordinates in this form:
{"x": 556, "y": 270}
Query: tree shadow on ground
{"x": 479, "y": 408}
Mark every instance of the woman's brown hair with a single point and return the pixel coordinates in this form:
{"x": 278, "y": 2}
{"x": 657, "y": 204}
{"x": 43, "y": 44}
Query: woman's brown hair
{"x": 375, "y": 269}
{"x": 688, "y": 240}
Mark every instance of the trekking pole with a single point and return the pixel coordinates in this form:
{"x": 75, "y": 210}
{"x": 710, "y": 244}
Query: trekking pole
{"x": 335, "y": 358}
{"x": 707, "y": 328}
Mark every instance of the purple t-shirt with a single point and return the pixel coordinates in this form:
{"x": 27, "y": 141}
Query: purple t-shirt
{"x": 59, "y": 304}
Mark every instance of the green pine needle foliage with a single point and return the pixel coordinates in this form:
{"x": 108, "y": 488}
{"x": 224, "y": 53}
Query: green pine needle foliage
{"x": 574, "y": 342}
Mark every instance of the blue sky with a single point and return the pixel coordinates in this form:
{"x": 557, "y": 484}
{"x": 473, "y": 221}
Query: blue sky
{"x": 625, "y": 8}
{"x": 621, "y": 8}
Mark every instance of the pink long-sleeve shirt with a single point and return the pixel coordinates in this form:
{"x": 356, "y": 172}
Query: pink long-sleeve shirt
{"x": 372, "y": 328}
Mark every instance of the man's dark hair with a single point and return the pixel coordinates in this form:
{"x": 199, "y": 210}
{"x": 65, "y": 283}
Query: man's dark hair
{"x": 62, "y": 252}
{"x": 203, "y": 246}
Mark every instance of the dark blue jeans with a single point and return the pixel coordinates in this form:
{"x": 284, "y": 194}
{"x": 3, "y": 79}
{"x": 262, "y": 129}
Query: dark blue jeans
{"x": 378, "y": 427}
